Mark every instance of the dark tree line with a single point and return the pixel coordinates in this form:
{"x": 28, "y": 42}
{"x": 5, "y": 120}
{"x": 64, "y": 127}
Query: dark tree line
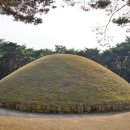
{"x": 14, "y": 56}
{"x": 117, "y": 59}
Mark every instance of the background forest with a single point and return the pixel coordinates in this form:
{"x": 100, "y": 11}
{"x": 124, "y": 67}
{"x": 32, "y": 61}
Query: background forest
{"x": 14, "y": 56}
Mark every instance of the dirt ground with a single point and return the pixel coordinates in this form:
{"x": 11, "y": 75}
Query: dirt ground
{"x": 15, "y": 120}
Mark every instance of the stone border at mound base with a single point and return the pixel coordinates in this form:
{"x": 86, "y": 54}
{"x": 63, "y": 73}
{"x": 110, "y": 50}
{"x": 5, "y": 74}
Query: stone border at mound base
{"x": 81, "y": 108}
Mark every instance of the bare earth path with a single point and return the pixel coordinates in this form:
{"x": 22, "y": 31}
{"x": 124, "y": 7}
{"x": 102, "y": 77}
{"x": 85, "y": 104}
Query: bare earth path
{"x": 15, "y": 120}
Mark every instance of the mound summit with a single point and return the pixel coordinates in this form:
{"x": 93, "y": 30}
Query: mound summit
{"x": 64, "y": 83}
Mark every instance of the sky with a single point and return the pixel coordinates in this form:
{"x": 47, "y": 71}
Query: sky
{"x": 67, "y": 26}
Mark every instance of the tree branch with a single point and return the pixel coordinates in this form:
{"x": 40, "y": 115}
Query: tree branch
{"x": 8, "y": 11}
{"x": 113, "y": 15}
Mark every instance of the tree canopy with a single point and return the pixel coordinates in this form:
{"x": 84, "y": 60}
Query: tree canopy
{"x": 25, "y": 10}
{"x": 28, "y": 10}
{"x": 14, "y": 56}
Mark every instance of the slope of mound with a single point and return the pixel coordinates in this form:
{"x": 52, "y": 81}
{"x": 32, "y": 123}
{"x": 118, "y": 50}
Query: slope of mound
{"x": 64, "y": 83}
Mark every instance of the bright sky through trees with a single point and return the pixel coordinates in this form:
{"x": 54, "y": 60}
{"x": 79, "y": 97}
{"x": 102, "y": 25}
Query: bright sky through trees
{"x": 67, "y": 26}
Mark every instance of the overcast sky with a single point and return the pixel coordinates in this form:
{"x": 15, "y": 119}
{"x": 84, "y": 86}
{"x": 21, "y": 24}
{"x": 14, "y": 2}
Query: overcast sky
{"x": 68, "y": 26}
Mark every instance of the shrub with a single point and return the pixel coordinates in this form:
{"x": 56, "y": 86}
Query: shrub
{"x": 23, "y": 107}
{"x": 80, "y": 108}
{"x": 66, "y": 109}
{"x": 1, "y": 104}
{"x": 59, "y": 109}
{"x": 39, "y": 108}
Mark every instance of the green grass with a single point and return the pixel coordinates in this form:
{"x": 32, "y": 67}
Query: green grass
{"x": 63, "y": 80}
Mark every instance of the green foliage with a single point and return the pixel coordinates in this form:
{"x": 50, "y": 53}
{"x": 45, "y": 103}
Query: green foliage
{"x": 93, "y": 54}
{"x": 100, "y": 4}
{"x": 14, "y": 56}
{"x": 118, "y": 59}
{"x": 28, "y": 10}
{"x": 60, "y": 49}
{"x": 121, "y": 20}
{"x": 25, "y": 10}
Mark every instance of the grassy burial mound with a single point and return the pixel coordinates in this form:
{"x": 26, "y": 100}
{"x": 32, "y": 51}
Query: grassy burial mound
{"x": 63, "y": 83}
